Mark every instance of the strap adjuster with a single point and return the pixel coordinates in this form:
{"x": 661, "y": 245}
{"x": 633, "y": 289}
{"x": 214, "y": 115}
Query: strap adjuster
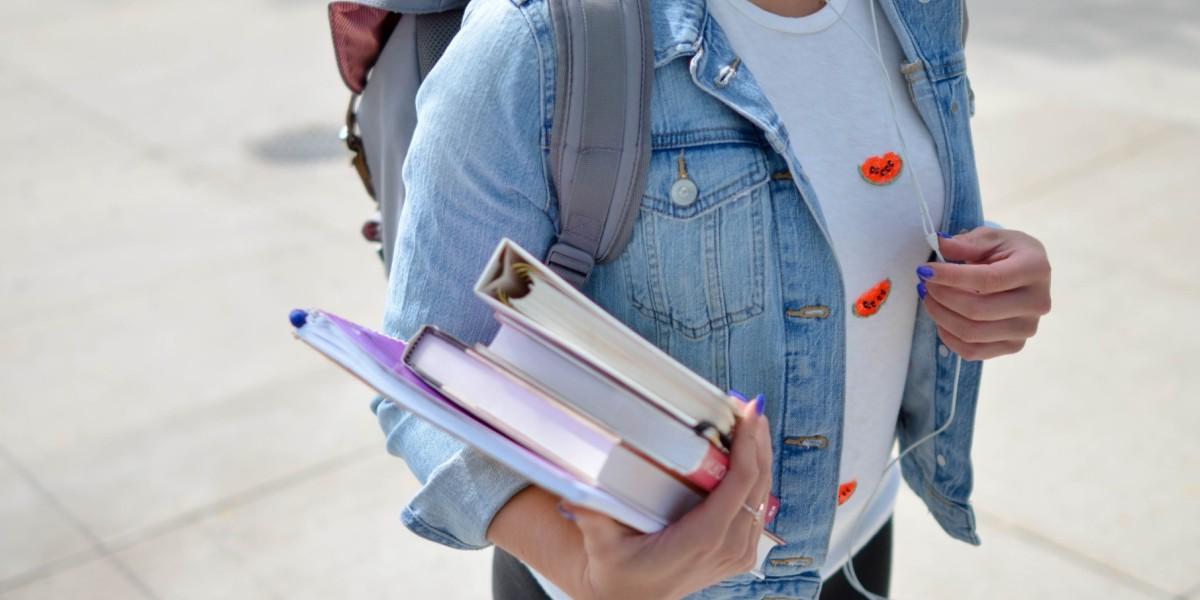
{"x": 570, "y": 263}
{"x": 349, "y": 136}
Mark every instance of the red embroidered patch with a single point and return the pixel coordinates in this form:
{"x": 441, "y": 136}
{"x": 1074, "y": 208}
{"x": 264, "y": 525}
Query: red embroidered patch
{"x": 881, "y": 170}
{"x": 846, "y": 490}
{"x": 872, "y": 300}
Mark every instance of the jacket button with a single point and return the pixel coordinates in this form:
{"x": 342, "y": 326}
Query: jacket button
{"x": 794, "y": 561}
{"x": 943, "y": 351}
{"x": 812, "y": 311}
{"x": 808, "y": 441}
{"x": 941, "y": 460}
{"x": 684, "y": 192}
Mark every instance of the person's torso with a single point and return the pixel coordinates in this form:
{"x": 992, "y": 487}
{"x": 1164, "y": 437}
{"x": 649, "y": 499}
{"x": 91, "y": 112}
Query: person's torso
{"x": 844, "y": 113}
{"x": 741, "y": 282}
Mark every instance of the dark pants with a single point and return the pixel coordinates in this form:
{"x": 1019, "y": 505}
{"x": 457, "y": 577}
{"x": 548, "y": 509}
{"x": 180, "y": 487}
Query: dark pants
{"x": 511, "y": 580}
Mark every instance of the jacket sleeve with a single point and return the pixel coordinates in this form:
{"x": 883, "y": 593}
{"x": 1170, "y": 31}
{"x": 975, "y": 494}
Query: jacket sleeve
{"x": 475, "y": 173}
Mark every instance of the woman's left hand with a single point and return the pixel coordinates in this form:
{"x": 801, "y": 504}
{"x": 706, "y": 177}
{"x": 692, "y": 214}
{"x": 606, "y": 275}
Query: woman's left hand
{"x": 992, "y": 302}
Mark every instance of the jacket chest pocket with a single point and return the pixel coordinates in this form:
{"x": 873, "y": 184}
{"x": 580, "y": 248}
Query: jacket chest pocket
{"x": 696, "y": 259}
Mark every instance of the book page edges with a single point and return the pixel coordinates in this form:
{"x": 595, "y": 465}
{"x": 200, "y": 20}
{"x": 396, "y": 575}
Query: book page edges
{"x": 485, "y": 288}
{"x": 440, "y": 412}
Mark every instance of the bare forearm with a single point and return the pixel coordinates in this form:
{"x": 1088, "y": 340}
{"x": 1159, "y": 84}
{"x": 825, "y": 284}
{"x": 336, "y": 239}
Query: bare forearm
{"x": 530, "y": 528}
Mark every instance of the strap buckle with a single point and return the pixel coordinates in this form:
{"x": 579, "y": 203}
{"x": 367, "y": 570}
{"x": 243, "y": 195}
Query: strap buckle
{"x": 570, "y": 263}
{"x": 349, "y": 136}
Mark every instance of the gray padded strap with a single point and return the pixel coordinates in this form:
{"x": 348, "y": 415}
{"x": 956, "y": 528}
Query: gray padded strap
{"x": 600, "y": 137}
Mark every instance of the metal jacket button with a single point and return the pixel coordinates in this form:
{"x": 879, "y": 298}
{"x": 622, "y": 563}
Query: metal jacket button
{"x": 807, "y": 441}
{"x": 795, "y": 561}
{"x": 684, "y": 192}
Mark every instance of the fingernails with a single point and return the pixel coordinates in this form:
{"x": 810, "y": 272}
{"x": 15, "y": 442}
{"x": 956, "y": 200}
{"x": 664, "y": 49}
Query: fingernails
{"x": 738, "y": 395}
{"x": 760, "y": 402}
{"x": 924, "y": 272}
{"x": 921, "y": 291}
{"x": 944, "y": 235}
{"x": 563, "y": 512}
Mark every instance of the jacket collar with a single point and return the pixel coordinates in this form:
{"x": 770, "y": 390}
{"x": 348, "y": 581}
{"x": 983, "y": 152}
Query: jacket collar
{"x": 677, "y": 27}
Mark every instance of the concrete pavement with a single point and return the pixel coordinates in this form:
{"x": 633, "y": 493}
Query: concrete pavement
{"x": 172, "y": 186}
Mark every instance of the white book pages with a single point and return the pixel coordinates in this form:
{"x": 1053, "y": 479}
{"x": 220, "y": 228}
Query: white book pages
{"x": 519, "y": 412}
{"x": 658, "y": 495}
{"x": 637, "y": 422}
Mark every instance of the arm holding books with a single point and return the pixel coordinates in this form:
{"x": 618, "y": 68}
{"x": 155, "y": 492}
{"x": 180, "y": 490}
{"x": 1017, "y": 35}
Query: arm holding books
{"x": 597, "y": 558}
{"x": 462, "y": 197}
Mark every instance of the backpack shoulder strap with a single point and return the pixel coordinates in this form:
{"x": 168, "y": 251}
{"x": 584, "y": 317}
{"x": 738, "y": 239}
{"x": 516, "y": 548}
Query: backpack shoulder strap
{"x": 600, "y": 135}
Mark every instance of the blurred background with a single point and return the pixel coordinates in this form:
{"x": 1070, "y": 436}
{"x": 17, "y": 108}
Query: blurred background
{"x": 171, "y": 185}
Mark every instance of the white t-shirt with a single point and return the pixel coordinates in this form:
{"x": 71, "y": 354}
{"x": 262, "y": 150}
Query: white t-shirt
{"x": 826, "y": 85}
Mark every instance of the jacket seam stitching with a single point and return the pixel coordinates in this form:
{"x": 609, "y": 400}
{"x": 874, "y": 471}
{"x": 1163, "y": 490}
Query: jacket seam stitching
{"x": 543, "y": 126}
{"x": 437, "y": 534}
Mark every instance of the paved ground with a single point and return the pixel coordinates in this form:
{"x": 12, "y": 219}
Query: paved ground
{"x": 171, "y": 187}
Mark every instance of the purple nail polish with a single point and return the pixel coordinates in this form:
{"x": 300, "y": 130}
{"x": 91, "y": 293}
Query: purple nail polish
{"x": 924, "y": 272}
{"x": 738, "y": 395}
{"x": 921, "y": 291}
{"x": 760, "y": 402}
{"x": 944, "y": 235}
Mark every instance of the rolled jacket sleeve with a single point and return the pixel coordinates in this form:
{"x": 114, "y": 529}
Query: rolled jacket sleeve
{"x": 475, "y": 173}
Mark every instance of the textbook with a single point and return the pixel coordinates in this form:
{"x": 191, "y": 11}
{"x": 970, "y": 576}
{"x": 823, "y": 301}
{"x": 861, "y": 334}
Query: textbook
{"x": 643, "y": 426}
{"x": 525, "y": 413}
{"x": 379, "y": 361}
{"x": 524, "y": 291}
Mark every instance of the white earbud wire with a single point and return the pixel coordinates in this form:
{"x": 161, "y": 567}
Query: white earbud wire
{"x": 931, "y": 238}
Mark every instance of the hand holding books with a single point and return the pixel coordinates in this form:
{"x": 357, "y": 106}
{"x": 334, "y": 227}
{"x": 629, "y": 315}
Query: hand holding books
{"x": 715, "y": 540}
{"x": 571, "y": 399}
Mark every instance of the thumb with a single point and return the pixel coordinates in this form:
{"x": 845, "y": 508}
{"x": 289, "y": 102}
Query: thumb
{"x": 599, "y": 530}
{"x": 974, "y": 246}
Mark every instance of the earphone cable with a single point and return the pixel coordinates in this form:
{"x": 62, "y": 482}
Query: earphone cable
{"x": 931, "y": 238}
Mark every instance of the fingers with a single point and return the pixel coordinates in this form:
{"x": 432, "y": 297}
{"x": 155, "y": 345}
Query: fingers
{"x": 1023, "y": 302}
{"x": 973, "y": 246}
{"x": 765, "y": 461}
{"x": 762, "y": 489}
{"x": 999, "y": 261}
{"x": 977, "y": 332}
{"x": 970, "y": 351}
{"x": 724, "y": 503}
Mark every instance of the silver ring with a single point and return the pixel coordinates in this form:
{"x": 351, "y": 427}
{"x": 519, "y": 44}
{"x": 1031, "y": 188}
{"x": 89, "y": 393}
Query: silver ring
{"x": 756, "y": 514}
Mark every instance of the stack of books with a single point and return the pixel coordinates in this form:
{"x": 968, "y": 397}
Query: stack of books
{"x": 565, "y": 395}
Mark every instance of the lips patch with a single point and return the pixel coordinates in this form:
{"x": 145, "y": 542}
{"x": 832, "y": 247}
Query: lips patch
{"x": 872, "y": 300}
{"x": 881, "y": 170}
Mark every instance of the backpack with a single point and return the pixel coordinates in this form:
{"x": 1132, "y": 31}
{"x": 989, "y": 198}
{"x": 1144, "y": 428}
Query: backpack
{"x": 598, "y": 157}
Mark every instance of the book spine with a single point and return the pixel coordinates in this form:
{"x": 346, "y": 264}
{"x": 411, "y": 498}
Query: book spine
{"x": 711, "y": 470}
{"x": 772, "y": 509}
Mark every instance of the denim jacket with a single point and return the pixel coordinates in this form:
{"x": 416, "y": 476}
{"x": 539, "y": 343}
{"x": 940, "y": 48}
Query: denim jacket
{"x": 742, "y": 285}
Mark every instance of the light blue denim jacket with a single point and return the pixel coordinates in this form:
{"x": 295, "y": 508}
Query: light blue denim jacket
{"x": 734, "y": 285}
